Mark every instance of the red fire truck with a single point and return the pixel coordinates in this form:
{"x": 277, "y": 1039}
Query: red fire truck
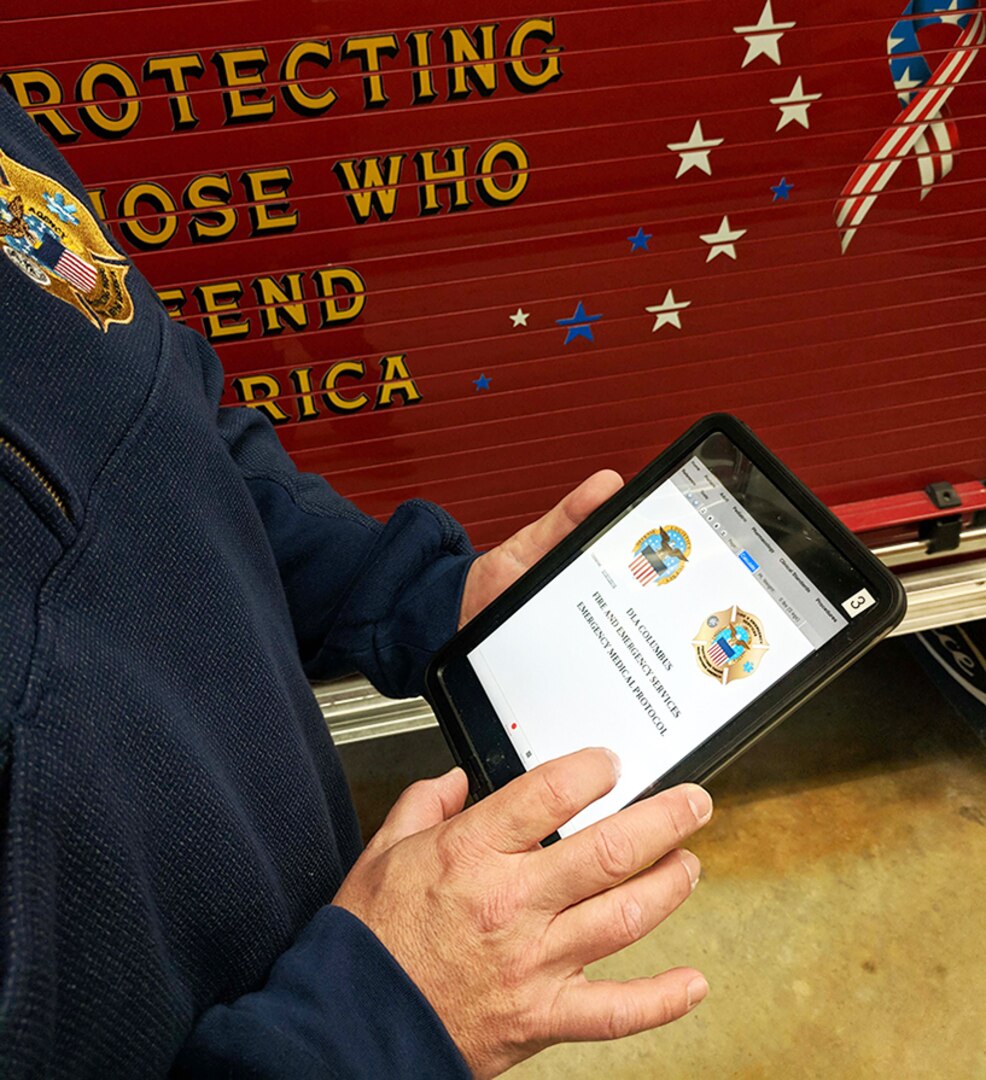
{"x": 472, "y": 252}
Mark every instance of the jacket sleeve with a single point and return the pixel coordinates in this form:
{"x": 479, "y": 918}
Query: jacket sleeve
{"x": 377, "y": 599}
{"x": 336, "y": 1006}
{"x": 365, "y": 597}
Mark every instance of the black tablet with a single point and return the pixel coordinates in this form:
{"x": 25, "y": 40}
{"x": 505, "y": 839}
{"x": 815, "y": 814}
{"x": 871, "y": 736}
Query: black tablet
{"x": 684, "y": 618}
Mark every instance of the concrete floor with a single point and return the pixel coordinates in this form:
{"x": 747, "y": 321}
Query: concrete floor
{"x": 841, "y": 920}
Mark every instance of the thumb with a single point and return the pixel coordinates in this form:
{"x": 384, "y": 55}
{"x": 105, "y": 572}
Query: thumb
{"x": 423, "y": 805}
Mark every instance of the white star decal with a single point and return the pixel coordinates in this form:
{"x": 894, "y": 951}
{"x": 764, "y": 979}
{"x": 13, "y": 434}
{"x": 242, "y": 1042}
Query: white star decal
{"x": 764, "y": 39}
{"x": 794, "y": 107}
{"x": 893, "y": 42}
{"x": 695, "y": 152}
{"x": 723, "y": 241}
{"x": 953, "y": 19}
{"x": 905, "y": 84}
{"x": 520, "y": 319}
{"x": 668, "y": 312}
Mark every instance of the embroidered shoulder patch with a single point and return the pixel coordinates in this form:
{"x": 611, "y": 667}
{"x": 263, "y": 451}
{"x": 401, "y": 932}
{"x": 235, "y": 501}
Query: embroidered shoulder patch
{"x": 50, "y": 236}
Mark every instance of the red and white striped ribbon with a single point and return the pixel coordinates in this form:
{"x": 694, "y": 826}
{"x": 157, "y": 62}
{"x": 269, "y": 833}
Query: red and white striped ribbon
{"x": 917, "y": 123}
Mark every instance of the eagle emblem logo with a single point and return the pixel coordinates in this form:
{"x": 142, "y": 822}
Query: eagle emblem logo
{"x": 52, "y": 238}
{"x": 730, "y": 645}
{"x": 660, "y": 555}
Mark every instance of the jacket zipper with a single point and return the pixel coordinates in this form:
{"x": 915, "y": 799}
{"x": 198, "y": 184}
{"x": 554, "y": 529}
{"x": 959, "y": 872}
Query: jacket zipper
{"x": 48, "y": 487}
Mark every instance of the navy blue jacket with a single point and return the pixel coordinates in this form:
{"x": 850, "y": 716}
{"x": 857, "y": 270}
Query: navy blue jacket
{"x": 174, "y": 821}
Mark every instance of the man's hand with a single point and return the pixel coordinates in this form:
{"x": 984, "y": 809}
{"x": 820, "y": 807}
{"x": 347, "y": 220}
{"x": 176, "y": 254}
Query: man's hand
{"x": 491, "y": 573}
{"x": 496, "y": 930}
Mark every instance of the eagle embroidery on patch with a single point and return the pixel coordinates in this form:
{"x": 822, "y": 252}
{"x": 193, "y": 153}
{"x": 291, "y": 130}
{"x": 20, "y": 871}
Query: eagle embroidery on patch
{"x": 48, "y": 234}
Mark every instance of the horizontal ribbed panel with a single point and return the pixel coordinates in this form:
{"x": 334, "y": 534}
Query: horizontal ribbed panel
{"x": 863, "y": 367}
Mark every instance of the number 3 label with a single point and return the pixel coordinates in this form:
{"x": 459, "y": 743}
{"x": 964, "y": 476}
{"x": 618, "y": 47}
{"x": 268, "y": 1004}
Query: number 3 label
{"x": 860, "y": 602}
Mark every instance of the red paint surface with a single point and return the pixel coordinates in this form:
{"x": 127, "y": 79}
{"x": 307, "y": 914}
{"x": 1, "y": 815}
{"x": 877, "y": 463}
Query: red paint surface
{"x": 864, "y": 370}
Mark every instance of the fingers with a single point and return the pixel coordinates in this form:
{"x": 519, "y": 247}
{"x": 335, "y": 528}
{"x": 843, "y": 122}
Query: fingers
{"x": 609, "y": 922}
{"x": 602, "y": 855}
{"x": 531, "y": 542}
{"x": 422, "y": 805}
{"x": 493, "y": 572}
{"x": 533, "y": 806}
{"x": 587, "y": 1011}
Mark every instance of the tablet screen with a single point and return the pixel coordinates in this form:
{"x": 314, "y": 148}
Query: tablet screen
{"x": 682, "y": 612}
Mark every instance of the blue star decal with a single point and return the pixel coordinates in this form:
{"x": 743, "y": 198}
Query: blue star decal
{"x": 61, "y": 209}
{"x": 578, "y": 324}
{"x": 782, "y": 190}
{"x": 482, "y": 383}
{"x": 638, "y": 242}
{"x": 748, "y": 666}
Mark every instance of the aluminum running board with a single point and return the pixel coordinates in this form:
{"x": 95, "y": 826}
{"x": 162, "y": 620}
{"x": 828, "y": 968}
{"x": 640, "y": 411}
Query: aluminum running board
{"x": 937, "y": 596}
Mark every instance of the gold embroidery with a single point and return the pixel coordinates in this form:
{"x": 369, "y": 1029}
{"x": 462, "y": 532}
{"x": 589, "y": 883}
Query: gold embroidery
{"x": 50, "y": 235}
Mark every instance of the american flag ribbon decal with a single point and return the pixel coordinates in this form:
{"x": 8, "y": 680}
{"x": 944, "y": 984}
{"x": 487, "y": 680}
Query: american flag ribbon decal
{"x": 921, "y": 126}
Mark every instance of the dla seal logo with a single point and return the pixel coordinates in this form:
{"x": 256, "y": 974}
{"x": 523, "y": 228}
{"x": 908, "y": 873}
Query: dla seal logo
{"x": 660, "y": 555}
{"x": 730, "y": 645}
{"x": 48, "y": 234}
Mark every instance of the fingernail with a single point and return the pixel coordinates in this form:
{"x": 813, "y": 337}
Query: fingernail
{"x": 693, "y": 866}
{"x": 617, "y": 767}
{"x": 701, "y": 803}
{"x": 697, "y": 990}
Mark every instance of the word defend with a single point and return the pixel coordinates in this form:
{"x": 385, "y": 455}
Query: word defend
{"x": 282, "y": 303}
